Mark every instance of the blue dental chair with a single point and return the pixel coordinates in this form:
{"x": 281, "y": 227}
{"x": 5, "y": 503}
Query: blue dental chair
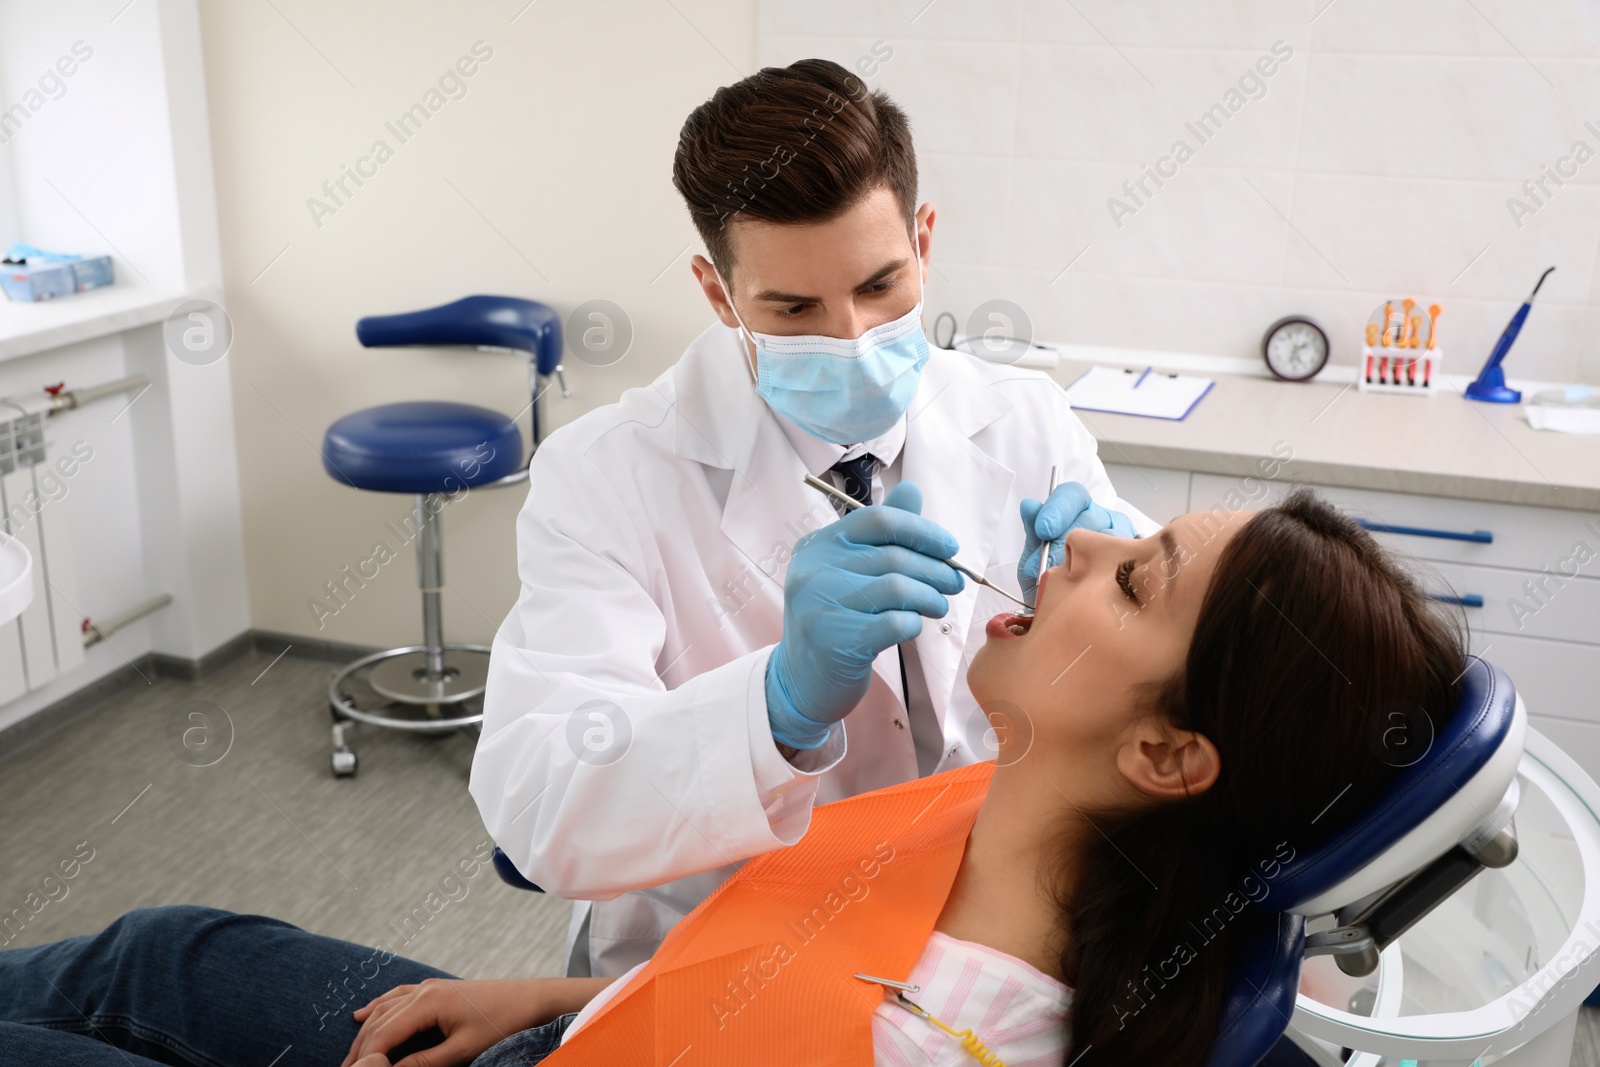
{"x": 434, "y": 450}
{"x": 1425, "y": 838}
{"x": 1445, "y": 818}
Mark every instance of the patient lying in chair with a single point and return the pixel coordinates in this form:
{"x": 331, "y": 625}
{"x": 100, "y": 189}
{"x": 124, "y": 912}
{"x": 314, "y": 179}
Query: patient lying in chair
{"x": 1180, "y": 716}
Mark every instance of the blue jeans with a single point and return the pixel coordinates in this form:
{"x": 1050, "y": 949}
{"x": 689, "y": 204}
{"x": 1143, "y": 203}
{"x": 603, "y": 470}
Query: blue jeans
{"x": 198, "y": 987}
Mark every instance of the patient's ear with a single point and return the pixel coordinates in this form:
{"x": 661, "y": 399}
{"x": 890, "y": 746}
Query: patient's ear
{"x": 1168, "y": 763}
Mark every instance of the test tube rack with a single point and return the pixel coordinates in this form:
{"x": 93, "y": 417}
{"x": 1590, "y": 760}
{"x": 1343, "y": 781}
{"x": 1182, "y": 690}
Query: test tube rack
{"x": 1396, "y": 370}
{"x": 1401, "y": 353}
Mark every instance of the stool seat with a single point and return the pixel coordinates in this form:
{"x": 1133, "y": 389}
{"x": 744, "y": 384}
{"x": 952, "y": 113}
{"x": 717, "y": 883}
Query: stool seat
{"x": 421, "y": 446}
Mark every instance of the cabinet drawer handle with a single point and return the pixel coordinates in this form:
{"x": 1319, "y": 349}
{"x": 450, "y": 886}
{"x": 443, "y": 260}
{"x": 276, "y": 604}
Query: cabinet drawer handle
{"x": 1466, "y": 600}
{"x": 1482, "y": 537}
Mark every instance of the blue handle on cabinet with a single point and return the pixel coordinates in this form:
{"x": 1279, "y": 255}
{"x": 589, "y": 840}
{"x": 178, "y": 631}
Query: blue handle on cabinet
{"x": 1482, "y": 537}
{"x": 1466, "y": 600}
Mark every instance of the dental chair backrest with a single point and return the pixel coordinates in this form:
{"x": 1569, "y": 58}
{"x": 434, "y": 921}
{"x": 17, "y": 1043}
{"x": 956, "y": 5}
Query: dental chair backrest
{"x": 1447, "y": 816}
{"x": 490, "y": 321}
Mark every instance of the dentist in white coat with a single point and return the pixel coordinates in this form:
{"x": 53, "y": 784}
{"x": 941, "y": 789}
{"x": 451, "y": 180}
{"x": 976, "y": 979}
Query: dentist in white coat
{"x": 703, "y": 649}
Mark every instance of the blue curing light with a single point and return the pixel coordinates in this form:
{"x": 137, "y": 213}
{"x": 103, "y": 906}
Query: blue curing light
{"x": 1490, "y": 385}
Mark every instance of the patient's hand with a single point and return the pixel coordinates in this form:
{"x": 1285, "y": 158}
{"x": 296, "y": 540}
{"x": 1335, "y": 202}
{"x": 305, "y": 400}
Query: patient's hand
{"x": 472, "y": 1016}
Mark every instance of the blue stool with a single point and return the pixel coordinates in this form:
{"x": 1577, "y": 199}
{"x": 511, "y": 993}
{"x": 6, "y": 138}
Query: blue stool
{"x": 435, "y": 450}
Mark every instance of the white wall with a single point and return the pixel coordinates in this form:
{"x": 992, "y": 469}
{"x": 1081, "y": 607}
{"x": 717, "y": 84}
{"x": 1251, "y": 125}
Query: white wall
{"x": 1377, "y": 164}
{"x": 550, "y": 179}
{"x": 99, "y": 148}
{"x": 1383, "y": 150}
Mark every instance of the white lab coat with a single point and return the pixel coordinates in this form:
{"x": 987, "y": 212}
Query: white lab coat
{"x": 652, "y": 550}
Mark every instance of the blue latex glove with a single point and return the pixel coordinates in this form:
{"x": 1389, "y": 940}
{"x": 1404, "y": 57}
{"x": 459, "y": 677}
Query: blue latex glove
{"x": 1069, "y": 508}
{"x": 854, "y": 588}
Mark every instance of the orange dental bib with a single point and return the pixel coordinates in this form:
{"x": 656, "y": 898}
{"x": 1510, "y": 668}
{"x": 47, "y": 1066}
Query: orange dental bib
{"x": 762, "y": 971}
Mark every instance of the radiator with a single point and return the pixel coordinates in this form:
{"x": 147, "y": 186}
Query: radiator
{"x": 46, "y": 640}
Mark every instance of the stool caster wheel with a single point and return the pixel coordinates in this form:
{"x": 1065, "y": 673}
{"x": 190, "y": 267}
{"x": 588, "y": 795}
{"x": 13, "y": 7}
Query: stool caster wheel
{"x": 344, "y": 757}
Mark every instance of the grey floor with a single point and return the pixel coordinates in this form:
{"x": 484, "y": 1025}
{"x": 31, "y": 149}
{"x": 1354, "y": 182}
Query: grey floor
{"x": 267, "y": 829}
{"x": 1586, "y": 1044}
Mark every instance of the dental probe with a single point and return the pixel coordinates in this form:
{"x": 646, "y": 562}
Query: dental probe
{"x": 1044, "y": 550}
{"x": 852, "y": 503}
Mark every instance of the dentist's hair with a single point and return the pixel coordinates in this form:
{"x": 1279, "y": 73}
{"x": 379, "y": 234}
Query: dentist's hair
{"x": 791, "y": 145}
{"x": 1308, "y": 632}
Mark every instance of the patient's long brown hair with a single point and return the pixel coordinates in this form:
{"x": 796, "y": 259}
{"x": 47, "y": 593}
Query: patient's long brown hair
{"x": 1308, "y": 630}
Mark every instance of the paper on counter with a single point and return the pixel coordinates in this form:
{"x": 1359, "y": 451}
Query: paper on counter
{"x": 1562, "y": 419}
{"x": 1159, "y": 396}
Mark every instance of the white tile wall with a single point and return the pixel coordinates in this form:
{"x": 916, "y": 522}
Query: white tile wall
{"x": 1375, "y": 162}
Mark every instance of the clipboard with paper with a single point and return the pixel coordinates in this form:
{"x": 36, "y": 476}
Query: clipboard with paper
{"x": 1130, "y": 391}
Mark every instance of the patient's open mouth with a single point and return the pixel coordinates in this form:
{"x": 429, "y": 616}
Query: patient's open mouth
{"x": 1007, "y": 625}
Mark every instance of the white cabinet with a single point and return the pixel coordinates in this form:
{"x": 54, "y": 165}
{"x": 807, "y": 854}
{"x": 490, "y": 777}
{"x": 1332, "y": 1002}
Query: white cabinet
{"x": 1161, "y": 494}
{"x": 1519, "y": 603}
{"x": 1456, "y": 531}
{"x": 1479, "y": 532}
{"x": 1556, "y": 678}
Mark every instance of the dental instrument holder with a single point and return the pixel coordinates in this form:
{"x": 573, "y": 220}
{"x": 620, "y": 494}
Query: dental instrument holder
{"x": 1490, "y": 385}
{"x": 1409, "y": 364}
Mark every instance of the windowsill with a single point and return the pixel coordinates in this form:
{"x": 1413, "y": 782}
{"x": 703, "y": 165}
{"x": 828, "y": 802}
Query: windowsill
{"x": 26, "y": 328}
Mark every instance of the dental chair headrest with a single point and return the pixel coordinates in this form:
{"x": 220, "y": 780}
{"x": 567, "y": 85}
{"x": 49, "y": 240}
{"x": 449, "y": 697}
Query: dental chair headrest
{"x": 1435, "y": 803}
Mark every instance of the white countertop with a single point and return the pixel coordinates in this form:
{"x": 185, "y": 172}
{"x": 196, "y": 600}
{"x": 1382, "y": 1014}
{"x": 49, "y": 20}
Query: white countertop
{"x": 26, "y": 328}
{"x": 1445, "y": 445}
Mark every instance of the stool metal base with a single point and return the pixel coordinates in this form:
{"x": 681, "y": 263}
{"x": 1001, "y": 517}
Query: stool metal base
{"x": 392, "y": 676}
{"x": 403, "y": 677}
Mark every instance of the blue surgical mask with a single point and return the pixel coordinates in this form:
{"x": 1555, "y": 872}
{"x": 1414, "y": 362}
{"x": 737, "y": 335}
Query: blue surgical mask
{"x": 843, "y": 390}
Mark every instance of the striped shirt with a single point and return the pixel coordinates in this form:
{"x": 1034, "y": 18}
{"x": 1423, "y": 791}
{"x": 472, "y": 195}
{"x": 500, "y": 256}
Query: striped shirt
{"x": 1014, "y": 1008}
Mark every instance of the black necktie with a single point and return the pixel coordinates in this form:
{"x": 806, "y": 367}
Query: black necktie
{"x": 858, "y": 476}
